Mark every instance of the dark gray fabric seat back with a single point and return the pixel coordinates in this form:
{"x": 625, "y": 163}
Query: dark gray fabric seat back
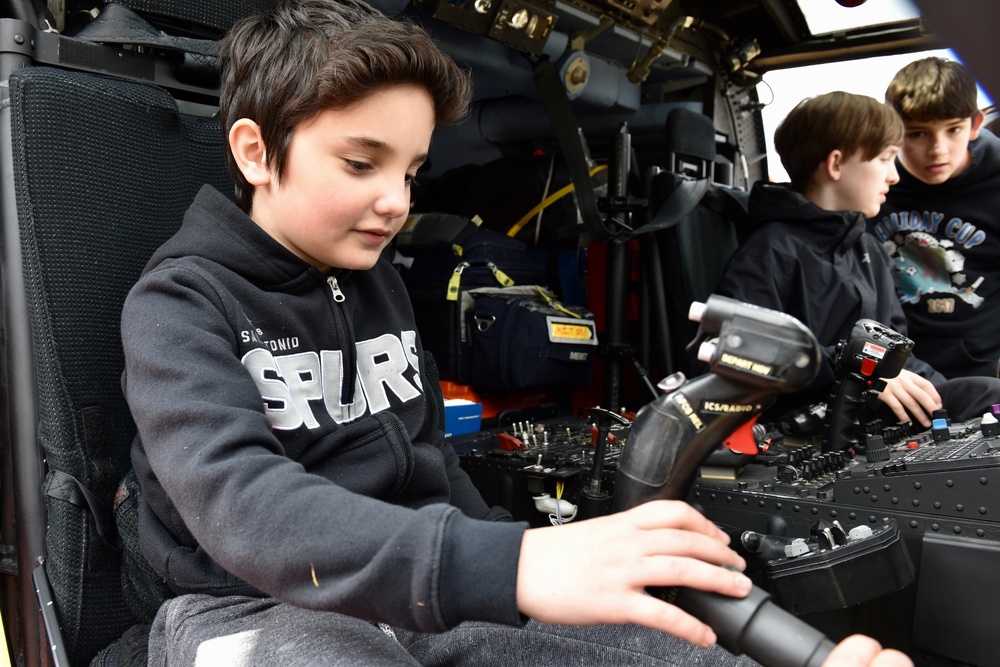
{"x": 103, "y": 171}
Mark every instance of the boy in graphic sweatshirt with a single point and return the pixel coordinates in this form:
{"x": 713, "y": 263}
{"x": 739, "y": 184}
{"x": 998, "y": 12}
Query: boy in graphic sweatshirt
{"x": 941, "y": 222}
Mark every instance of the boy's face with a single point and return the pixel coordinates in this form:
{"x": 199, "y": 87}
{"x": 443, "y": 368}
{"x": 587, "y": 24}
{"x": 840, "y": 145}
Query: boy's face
{"x": 936, "y": 150}
{"x": 346, "y": 188}
{"x": 863, "y": 184}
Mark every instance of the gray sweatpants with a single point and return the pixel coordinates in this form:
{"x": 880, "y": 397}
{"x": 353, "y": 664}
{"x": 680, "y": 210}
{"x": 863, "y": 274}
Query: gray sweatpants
{"x": 206, "y": 631}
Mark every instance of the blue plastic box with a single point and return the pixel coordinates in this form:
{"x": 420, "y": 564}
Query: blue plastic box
{"x": 461, "y": 416}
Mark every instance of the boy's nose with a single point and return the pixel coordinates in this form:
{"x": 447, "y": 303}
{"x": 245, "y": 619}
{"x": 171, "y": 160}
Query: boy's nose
{"x": 892, "y": 175}
{"x": 937, "y": 145}
{"x": 394, "y": 201}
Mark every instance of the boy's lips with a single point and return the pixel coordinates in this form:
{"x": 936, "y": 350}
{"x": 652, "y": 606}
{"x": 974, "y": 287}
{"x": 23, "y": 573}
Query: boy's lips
{"x": 374, "y": 235}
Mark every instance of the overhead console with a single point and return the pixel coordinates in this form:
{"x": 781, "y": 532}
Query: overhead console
{"x": 637, "y": 38}
{"x": 525, "y": 26}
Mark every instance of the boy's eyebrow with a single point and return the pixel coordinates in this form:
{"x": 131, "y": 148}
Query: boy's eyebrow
{"x": 920, "y": 124}
{"x": 379, "y": 145}
{"x": 368, "y": 142}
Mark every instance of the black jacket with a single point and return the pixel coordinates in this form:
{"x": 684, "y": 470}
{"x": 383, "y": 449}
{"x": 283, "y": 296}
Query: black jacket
{"x": 818, "y": 266}
{"x": 945, "y": 244}
{"x": 286, "y": 442}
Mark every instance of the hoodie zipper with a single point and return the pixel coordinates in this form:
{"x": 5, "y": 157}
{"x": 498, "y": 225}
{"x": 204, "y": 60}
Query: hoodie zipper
{"x": 338, "y": 294}
{"x": 398, "y": 438}
{"x": 344, "y": 334}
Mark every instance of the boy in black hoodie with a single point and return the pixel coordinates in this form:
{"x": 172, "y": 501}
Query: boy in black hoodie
{"x": 298, "y": 498}
{"x": 811, "y": 257}
{"x": 941, "y": 222}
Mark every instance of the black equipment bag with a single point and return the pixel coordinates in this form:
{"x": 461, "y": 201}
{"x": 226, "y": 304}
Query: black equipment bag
{"x": 438, "y": 274}
{"x": 522, "y": 338}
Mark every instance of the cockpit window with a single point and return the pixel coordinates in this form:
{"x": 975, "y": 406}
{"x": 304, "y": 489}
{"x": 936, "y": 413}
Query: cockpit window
{"x": 824, "y": 17}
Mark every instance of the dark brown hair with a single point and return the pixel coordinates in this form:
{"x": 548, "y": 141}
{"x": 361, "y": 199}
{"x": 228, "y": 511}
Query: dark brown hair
{"x": 301, "y": 57}
{"x": 933, "y": 89}
{"x": 840, "y": 121}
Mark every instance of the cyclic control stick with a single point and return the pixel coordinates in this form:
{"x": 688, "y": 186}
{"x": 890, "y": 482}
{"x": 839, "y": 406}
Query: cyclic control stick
{"x": 755, "y": 355}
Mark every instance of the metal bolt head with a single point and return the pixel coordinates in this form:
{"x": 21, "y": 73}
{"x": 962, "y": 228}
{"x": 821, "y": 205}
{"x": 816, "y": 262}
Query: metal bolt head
{"x": 518, "y": 19}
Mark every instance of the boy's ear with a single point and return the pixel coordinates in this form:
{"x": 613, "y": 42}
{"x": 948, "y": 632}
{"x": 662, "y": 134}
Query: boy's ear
{"x": 247, "y": 145}
{"x": 977, "y": 123}
{"x": 833, "y": 165}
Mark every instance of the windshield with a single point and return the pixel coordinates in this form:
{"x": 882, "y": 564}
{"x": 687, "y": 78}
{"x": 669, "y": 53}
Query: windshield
{"x": 824, "y": 17}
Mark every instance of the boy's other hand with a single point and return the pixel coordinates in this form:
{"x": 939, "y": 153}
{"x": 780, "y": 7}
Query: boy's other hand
{"x": 861, "y": 651}
{"x": 911, "y": 396}
{"x": 596, "y": 571}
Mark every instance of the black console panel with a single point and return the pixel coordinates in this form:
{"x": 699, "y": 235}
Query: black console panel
{"x": 940, "y": 488}
{"x": 905, "y": 547}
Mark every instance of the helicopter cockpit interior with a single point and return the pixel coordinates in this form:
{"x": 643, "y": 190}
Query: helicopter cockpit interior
{"x": 608, "y": 156}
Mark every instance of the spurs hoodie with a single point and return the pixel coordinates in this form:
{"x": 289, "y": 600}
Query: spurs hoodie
{"x": 286, "y": 444}
{"x": 945, "y": 243}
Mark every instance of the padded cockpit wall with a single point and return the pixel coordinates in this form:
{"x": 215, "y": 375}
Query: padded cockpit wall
{"x": 196, "y": 17}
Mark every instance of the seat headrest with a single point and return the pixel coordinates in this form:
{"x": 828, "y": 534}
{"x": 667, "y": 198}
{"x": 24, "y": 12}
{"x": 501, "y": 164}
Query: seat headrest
{"x": 690, "y": 142}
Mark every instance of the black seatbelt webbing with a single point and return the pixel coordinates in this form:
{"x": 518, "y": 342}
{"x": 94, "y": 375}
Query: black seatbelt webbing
{"x": 117, "y": 24}
{"x": 563, "y": 121}
{"x": 63, "y": 486}
{"x": 681, "y": 201}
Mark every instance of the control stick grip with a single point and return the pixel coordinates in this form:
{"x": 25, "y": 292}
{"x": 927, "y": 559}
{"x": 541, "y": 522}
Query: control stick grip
{"x": 754, "y": 626}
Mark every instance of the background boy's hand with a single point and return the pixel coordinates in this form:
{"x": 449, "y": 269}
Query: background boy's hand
{"x": 911, "y": 396}
{"x": 596, "y": 571}
{"x": 861, "y": 651}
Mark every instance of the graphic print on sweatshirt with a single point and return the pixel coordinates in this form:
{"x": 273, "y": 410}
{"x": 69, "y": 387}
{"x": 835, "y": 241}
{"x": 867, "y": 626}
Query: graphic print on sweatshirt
{"x": 927, "y": 251}
{"x": 297, "y": 384}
